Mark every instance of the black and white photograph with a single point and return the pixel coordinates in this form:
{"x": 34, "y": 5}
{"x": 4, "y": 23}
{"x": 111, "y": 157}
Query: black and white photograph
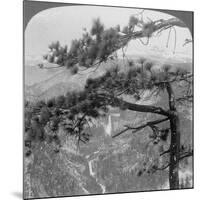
{"x": 108, "y": 100}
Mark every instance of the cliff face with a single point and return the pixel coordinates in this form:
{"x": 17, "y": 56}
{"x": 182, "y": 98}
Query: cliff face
{"x": 116, "y": 166}
{"x": 111, "y": 166}
{"x": 104, "y": 164}
{"x": 50, "y": 174}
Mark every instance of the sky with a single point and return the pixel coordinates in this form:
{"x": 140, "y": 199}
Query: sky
{"x": 66, "y": 23}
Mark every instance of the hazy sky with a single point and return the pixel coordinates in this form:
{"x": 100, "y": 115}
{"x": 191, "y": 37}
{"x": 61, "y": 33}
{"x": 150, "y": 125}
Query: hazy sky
{"x": 67, "y": 23}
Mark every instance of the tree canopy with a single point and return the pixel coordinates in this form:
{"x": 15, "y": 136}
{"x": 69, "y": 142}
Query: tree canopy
{"x": 99, "y": 45}
{"x": 74, "y": 111}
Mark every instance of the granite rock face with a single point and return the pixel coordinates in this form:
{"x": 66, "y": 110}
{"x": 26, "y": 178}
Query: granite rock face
{"x": 50, "y": 174}
{"x": 104, "y": 164}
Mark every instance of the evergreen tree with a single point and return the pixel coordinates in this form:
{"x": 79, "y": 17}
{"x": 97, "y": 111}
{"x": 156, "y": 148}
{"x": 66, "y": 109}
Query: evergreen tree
{"x": 74, "y": 110}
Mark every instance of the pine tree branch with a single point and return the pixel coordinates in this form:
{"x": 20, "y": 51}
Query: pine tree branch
{"x": 150, "y": 123}
{"x": 158, "y": 25}
{"x": 187, "y": 41}
{"x": 133, "y": 106}
{"x": 176, "y": 78}
{"x": 185, "y": 155}
{"x": 123, "y": 40}
{"x": 78, "y": 123}
{"x": 163, "y": 167}
{"x": 115, "y": 101}
{"x": 144, "y": 108}
{"x": 185, "y": 98}
{"x": 165, "y": 152}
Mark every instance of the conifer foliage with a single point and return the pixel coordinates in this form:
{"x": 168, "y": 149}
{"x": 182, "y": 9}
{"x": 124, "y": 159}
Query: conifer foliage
{"x": 75, "y": 111}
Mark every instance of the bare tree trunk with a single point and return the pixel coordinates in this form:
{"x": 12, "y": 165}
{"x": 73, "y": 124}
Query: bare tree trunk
{"x": 174, "y": 151}
{"x": 175, "y": 140}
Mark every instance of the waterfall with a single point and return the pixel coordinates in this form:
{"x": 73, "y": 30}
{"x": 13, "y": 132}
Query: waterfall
{"x": 108, "y": 128}
{"x": 110, "y": 125}
{"x": 86, "y": 191}
{"x": 93, "y": 174}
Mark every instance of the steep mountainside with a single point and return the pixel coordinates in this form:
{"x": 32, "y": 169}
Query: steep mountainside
{"x": 104, "y": 164}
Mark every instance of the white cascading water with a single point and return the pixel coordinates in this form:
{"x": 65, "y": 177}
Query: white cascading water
{"x": 108, "y": 131}
{"x": 93, "y": 174}
{"x": 108, "y": 128}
